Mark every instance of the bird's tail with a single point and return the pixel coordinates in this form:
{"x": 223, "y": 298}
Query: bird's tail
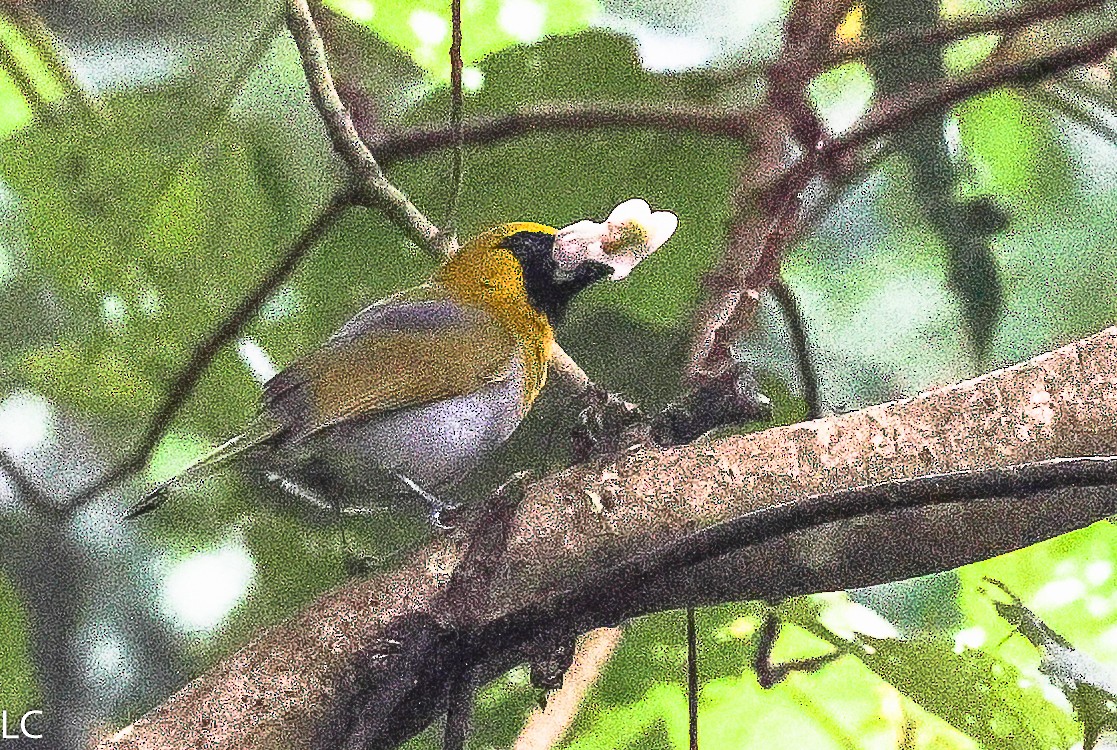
{"x": 262, "y": 429}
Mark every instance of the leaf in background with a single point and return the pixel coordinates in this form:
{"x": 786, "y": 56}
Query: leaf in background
{"x": 1013, "y": 148}
{"x": 971, "y": 271}
{"x": 422, "y": 28}
{"x": 1087, "y": 684}
{"x": 558, "y": 178}
{"x": 975, "y": 692}
{"x": 375, "y": 79}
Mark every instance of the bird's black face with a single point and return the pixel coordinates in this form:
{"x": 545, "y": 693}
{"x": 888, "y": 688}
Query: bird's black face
{"x": 548, "y": 290}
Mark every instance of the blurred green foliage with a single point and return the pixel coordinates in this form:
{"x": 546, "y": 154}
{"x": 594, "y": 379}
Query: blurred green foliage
{"x": 127, "y": 233}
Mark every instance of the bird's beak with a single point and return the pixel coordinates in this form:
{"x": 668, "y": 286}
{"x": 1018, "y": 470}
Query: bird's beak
{"x": 630, "y": 234}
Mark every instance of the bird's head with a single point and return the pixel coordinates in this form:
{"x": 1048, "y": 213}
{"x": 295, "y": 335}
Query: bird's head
{"x": 551, "y": 266}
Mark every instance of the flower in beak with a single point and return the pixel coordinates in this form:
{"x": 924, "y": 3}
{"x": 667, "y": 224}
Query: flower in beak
{"x": 630, "y": 234}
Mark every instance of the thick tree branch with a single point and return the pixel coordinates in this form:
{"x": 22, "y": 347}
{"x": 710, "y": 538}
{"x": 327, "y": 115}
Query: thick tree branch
{"x": 783, "y": 513}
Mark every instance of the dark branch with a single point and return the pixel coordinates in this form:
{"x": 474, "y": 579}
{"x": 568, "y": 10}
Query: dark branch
{"x": 949, "y": 31}
{"x": 27, "y": 490}
{"x": 796, "y": 326}
{"x": 720, "y": 123}
{"x": 187, "y": 378}
{"x": 1020, "y": 481}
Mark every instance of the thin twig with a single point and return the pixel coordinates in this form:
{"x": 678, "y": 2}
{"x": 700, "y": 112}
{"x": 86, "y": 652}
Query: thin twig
{"x": 27, "y": 490}
{"x": 546, "y": 726}
{"x": 455, "y": 114}
{"x": 22, "y": 81}
{"x": 709, "y": 121}
{"x": 692, "y": 677}
{"x": 375, "y": 187}
{"x": 52, "y": 52}
{"x": 187, "y": 378}
{"x": 1068, "y": 105}
{"x": 903, "y": 109}
{"x": 217, "y": 112}
{"x": 954, "y": 29}
{"x": 796, "y": 326}
{"x": 249, "y": 62}
{"x": 565, "y": 367}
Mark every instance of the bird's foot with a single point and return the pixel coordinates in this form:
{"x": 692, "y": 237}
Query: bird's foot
{"x": 603, "y": 423}
{"x": 442, "y": 513}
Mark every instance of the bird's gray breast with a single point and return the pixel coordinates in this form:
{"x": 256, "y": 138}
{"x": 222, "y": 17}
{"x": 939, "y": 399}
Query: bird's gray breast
{"x": 437, "y": 444}
{"x": 434, "y": 444}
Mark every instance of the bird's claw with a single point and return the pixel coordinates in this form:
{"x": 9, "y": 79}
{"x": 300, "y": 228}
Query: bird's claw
{"x": 602, "y": 423}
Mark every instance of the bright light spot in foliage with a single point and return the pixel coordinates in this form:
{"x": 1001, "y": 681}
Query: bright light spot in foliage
{"x": 1098, "y": 572}
{"x": 842, "y": 94}
{"x": 848, "y": 618}
{"x": 107, "y": 656}
{"x": 742, "y": 628}
{"x": 200, "y": 591}
{"x": 429, "y": 27}
{"x": 969, "y": 638}
{"x": 25, "y": 421}
{"x": 113, "y": 310}
{"x": 849, "y": 30}
{"x": 256, "y": 359}
{"x": 472, "y": 79}
{"x": 522, "y": 19}
{"x": 1059, "y": 593}
{"x": 358, "y": 10}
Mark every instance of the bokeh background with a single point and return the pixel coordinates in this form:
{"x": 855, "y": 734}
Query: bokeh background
{"x": 152, "y": 172}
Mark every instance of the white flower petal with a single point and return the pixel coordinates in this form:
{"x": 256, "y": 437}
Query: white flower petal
{"x": 579, "y": 242}
{"x": 660, "y": 225}
{"x": 634, "y": 209}
{"x": 630, "y": 234}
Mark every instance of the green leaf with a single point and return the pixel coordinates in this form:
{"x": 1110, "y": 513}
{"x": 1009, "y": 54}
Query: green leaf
{"x": 422, "y": 28}
{"x": 1014, "y": 148}
{"x": 559, "y": 178}
{"x": 19, "y": 691}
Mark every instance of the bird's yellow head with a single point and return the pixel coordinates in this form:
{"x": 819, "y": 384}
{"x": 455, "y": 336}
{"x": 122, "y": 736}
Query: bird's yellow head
{"x": 534, "y": 264}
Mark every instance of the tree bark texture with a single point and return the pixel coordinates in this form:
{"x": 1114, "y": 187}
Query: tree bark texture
{"x": 366, "y": 664}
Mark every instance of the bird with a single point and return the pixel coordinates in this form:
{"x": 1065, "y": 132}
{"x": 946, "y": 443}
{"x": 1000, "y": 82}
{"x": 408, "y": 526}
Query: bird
{"x": 416, "y": 389}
